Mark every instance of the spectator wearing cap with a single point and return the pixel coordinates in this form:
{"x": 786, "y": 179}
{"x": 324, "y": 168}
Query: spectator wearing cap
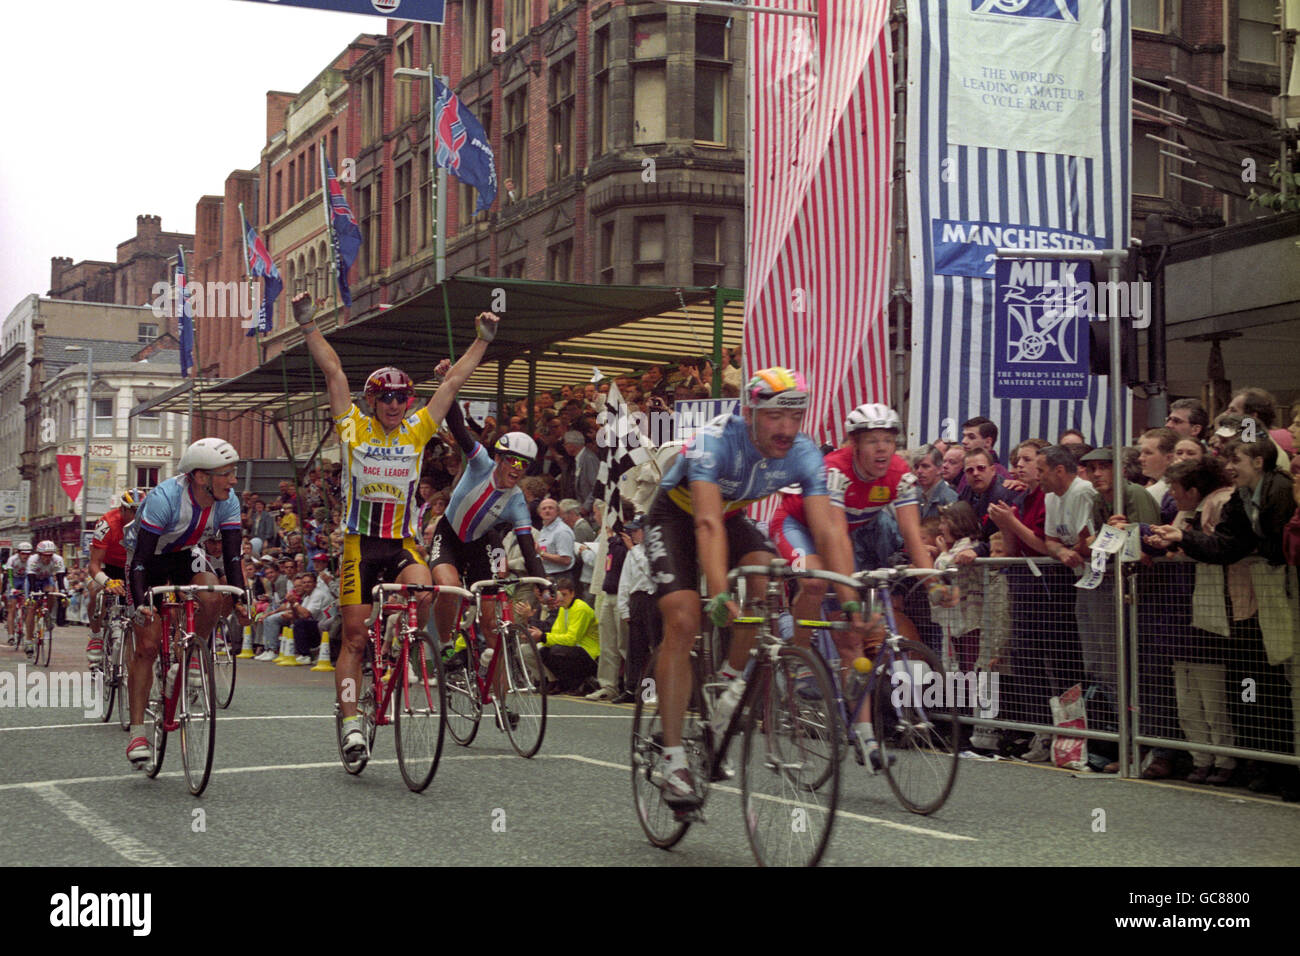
{"x": 555, "y": 542}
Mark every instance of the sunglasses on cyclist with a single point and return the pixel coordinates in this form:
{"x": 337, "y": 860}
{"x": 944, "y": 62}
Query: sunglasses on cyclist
{"x": 514, "y": 461}
{"x": 394, "y": 395}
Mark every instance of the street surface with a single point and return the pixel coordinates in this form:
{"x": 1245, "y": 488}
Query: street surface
{"x": 279, "y": 796}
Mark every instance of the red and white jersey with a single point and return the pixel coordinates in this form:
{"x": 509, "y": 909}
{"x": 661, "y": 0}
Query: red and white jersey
{"x": 108, "y": 535}
{"x": 861, "y": 499}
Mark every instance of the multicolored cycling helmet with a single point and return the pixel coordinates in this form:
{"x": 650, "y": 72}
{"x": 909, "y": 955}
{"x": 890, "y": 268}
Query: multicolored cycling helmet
{"x": 389, "y": 379}
{"x": 872, "y": 416}
{"x": 776, "y": 388}
{"x": 132, "y": 498}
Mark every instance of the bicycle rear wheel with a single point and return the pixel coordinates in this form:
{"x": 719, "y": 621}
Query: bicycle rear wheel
{"x": 790, "y": 763}
{"x": 464, "y": 702}
{"x": 366, "y": 708}
{"x": 919, "y": 737}
{"x": 155, "y": 715}
{"x": 108, "y": 670}
{"x": 44, "y": 640}
{"x": 198, "y": 714}
{"x": 663, "y": 826}
{"x": 122, "y": 654}
{"x": 420, "y": 715}
{"x": 223, "y": 661}
{"x": 523, "y": 712}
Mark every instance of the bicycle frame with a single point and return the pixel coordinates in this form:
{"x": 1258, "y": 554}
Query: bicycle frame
{"x": 504, "y": 617}
{"x": 171, "y": 719}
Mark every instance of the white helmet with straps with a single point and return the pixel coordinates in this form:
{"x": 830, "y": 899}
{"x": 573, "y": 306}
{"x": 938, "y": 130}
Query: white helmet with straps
{"x": 207, "y": 454}
{"x": 866, "y": 417}
{"x": 517, "y": 443}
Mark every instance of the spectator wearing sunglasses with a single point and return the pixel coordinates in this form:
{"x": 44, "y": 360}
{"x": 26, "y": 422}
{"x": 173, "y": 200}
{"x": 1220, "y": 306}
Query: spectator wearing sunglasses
{"x": 983, "y": 487}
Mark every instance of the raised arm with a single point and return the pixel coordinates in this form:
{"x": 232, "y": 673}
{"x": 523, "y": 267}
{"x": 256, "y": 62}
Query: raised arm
{"x": 336, "y": 383}
{"x": 486, "y": 327}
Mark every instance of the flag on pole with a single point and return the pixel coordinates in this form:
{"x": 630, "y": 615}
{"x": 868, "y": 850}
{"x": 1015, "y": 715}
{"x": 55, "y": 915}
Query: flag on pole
{"x": 820, "y": 205}
{"x": 344, "y": 232}
{"x": 463, "y": 146}
{"x": 184, "y": 312}
{"x": 1044, "y": 168}
{"x": 625, "y": 448}
{"x": 261, "y": 265}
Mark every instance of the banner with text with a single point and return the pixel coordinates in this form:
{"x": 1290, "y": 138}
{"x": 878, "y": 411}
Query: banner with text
{"x": 983, "y": 175}
{"x": 424, "y": 11}
{"x": 1041, "y": 335}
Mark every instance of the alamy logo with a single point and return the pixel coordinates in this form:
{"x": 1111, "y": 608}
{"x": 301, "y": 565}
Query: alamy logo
{"x": 1064, "y": 10}
{"x": 80, "y": 690}
{"x": 75, "y": 909}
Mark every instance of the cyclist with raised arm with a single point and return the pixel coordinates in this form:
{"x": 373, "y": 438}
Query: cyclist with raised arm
{"x": 696, "y": 522}
{"x": 107, "y": 568}
{"x": 45, "y": 569}
{"x": 174, "y": 521}
{"x": 382, "y": 451}
{"x": 486, "y": 498}
{"x": 15, "y": 576}
{"x": 864, "y": 478}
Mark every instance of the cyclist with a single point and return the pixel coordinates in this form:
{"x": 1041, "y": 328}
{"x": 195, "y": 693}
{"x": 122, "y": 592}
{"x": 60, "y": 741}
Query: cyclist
{"x": 16, "y": 574}
{"x": 173, "y": 522}
{"x": 464, "y": 538}
{"x": 864, "y": 478}
{"x": 43, "y": 568}
{"x": 382, "y": 451}
{"x": 108, "y": 563}
{"x": 696, "y": 523}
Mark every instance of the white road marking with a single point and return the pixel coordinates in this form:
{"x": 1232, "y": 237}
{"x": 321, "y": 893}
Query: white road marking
{"x": 125, "y": 846}
{"x": 221, "y": 719}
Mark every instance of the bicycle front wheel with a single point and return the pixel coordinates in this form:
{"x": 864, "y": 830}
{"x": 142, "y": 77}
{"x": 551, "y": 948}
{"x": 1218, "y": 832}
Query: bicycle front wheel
{"x": 419, "y": 715}
{"x": 223, "y": 662}
{"x": 464, "y": 702}
{"x": 123, "y": 652}
{"x": 523, "y": 711}
{"x": 44, "y": 641}
{"x": 198, "y": 715}
{"x": 918, "y": 732}
{"x": 790, "y": 763}
{"x": 108, "y": 670}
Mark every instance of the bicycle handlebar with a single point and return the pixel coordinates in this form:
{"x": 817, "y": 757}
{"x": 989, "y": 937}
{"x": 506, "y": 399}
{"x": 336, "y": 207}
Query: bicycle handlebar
{"x": 377, "y": 592}
{"x": 501, "y": 582}
{"x": 860, "y": 580}
{"x": 190, "y": 589}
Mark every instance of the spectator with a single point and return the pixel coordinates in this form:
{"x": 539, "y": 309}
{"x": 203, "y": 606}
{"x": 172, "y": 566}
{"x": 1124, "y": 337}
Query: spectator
{"x": 1188, "y": 419}
{"x": 1156, "y": 454}
{"x": 583, "y": 543}
{"x": 1068, "y": 508}
{"x": 264, "y": 532}
{"x": 637, "y": 609}
{"x": 959, "y": 531}
{"x": 310, "y": 615}
{"x": 980, "y": 434}
{"x": 984, "y": 487}
{"x": 1189, "y": 449}
{"x": 1022, "y": 524}
{"x": 954, "y": 464}
{"x": 282, "y": 615}
{"x": 1257, "y": 404}
{"x": 586, "y": 465}
{"x": 570, "y": 649}
{"x": 555, "y": 544}
{"x": 927, "y": 465}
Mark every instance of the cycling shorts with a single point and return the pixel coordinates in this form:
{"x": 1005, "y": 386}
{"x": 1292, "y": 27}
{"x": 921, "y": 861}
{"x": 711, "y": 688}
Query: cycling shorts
{"x": 472, "y": 559}
{"x": 367, "y": 559}
{"x": 671, "y": 547}
{"x": 174, "y": 567}
{"x": 42, "y": 584}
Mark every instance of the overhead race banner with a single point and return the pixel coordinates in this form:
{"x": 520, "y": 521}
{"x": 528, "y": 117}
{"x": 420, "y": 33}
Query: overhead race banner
{"x": 981, "y": 176}
{"x": 1026, "y": 72}
{"x": 1041, "y": 336}
{"x": 425, "y": 11}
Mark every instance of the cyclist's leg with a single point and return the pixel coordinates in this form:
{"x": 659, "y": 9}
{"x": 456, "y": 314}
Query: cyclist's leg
{"x": 680, "y": 611}
{"x": 410, "y": 568}
{"x": 147, "y": 641}
{"x": 357, "y": 579}
{"x": 210, "y": 606}
{"x": 794, "y": 543}
{"x": 445, "y": 566}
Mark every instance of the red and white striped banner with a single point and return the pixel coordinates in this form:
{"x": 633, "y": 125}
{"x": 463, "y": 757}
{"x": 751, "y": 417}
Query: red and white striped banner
{"x": 817, "y": 281}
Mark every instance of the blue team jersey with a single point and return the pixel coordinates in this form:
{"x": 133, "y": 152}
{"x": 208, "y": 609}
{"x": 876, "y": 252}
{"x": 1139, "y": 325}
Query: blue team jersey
{"x": 722, "y": 453}
{"x": 171, "y": 512}
{"x": 478, "y": 504}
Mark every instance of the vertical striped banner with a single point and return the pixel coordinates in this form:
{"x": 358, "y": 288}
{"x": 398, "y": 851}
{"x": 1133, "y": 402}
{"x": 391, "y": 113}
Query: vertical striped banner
{"x": 952, "y": 315}
{"x": 818, "y": 265}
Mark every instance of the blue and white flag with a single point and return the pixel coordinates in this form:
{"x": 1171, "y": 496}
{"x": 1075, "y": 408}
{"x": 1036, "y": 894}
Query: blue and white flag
{"x": 185, "y": 313}
{"x": 463, "y": 146}
{"x": 1018, "y": 135}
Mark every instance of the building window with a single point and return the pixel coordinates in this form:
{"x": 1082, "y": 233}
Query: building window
{"x": 514, "y": 270}
{"x": 405, "y": 60}
{"x": 607, "y": 253}
{"x": 146, "y": 332}
{"x": 476, "y": 30}
{"x": 148, "y": 425}
{"x": 312, "y": 165}
{"x": 600, "y": 93}
{"x": 371, "y": 222}
{"x": 712, "y": 74}
{"x": 430, "y": 41}
{"x": 559, "y": 261}
{"x": 402, "y": 213}
{"x": 649, "y": 104}
{"x": 707, "y": 246}
{"x": 103, "y": 418}
{"x": 1148, "y": 163}
{"x": 558, "y": 5}
{"x": 516, "y": 19}
{"x": 146, "y": 477}
{"x": 279, "y": 190}
{"x": 649, "y": 251}
{"x": 515, "y": 129}
{"x": 1256, "y": 21}
{"x": 649, "y": 38}
{"x": 424, "y": 219}
{"x": 560, "y": 100}
{"x": 1147, "y": 15}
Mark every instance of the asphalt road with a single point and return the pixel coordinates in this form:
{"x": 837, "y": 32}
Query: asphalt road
{"x": 279, "y": 796}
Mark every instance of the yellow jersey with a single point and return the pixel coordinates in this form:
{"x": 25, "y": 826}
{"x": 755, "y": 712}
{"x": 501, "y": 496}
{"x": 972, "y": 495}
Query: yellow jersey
{"x": 382, "y": 471}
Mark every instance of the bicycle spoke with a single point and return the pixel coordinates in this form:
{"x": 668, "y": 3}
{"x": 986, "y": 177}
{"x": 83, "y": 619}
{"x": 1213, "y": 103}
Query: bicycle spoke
{"x": 198, "y": 717}
{"x": 523, "y": 712}
{"x": 419, "y": 715}
{"x": 919, "y": 741}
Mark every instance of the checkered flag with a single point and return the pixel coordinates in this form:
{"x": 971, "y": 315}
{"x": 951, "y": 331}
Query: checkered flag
{"x": 625, "y": 448}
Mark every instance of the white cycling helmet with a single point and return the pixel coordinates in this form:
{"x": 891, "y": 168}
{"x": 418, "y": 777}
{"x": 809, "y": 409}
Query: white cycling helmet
{"x": 207, "y": 454}
{"x": 45, "y": 547}
{"x": 866, "y": 417}
{"x": 24, "y": 546}
{"x": 517, "y": 443}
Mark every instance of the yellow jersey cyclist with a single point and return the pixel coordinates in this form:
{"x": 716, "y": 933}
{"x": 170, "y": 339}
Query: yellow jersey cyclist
{"x": 383, "y": 448}
{"x": 107, "y": 567}
{"x": 696, "y": 523}
{"x": 15, "y": 576}
{"x": 165, "y": 545}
